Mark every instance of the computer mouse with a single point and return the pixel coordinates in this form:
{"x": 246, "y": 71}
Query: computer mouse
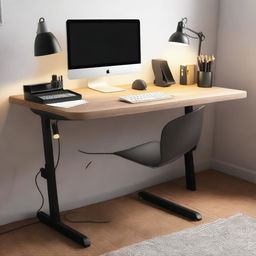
{"x": 139, "y": 84}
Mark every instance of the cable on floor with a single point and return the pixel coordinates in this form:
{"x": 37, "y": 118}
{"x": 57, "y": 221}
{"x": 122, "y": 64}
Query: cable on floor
{"x": 84, "y": 221}
{"x": 20, "y": 227}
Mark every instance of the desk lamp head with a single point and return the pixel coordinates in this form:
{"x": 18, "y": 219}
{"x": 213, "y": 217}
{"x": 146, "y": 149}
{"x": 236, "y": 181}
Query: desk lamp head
{"x": 45, "y": 42}
{"x": 179, "y": 36}
{"x": 182, "y": 38}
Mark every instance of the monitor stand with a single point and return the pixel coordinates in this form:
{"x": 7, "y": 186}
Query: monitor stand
{"x": 102, "y": 86}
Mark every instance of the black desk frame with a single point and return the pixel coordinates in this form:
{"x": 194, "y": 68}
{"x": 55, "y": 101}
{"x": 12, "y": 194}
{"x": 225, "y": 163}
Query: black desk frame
{"x": 53, "y": 219}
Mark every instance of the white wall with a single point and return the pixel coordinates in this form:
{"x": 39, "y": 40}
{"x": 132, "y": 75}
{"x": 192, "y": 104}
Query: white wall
{"x": 235, "y": 133}
{"x": 21, "y": 153}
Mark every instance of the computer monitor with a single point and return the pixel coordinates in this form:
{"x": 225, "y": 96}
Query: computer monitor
{"x": 98, "y": 48}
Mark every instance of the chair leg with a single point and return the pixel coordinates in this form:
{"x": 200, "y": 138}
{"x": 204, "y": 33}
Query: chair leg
{"x": 189, "y": 162}
{"x": 190, "y": 171}
{"x": 170, "y": 206}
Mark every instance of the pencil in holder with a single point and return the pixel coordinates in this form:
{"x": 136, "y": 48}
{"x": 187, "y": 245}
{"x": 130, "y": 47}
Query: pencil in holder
{"x": 204, "y": 79}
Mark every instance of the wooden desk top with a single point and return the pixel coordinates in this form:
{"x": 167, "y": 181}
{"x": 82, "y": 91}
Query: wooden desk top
{"x": 101, "y": 105}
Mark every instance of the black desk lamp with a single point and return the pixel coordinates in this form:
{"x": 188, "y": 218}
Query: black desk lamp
{"x": 45, "y": 42}
{"x": 180, "y": 37}
{"x": 204, "y": 78}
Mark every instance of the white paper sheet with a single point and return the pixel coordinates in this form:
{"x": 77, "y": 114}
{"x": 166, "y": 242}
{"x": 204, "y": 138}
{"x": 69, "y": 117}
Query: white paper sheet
{"x": 68, "y": 104}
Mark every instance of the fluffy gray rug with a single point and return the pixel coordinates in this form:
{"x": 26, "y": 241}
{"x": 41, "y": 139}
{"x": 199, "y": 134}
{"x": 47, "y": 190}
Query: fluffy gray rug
{"x": 234, "y": 236}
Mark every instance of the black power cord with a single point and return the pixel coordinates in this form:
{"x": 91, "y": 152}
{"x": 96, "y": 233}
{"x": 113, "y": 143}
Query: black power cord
{"x": 36, "y": 177}
{"x": 17, "y": 228}
{"x": 40, "y": 192}
{"x": 43, "y": 200}
{"x": 42, "y": 204}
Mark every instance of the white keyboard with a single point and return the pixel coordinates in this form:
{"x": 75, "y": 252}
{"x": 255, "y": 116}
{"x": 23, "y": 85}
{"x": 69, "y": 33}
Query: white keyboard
{"x": 144, "y": 97}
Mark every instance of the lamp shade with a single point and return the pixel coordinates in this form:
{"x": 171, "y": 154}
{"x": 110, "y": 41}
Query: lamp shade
{"x": 45, "y": 42}
{"x": 179, "y": 36}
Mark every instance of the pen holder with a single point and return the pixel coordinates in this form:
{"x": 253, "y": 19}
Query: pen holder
{"x": 204, "y": 79}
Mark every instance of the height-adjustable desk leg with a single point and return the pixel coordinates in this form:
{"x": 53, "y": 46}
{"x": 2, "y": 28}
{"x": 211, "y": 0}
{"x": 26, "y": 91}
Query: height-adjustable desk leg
{"x": 53, "y": 219}
{"x": 189, "y": 162}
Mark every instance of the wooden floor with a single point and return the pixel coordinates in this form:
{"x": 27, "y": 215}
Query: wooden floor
{"x": 218, "y": 196}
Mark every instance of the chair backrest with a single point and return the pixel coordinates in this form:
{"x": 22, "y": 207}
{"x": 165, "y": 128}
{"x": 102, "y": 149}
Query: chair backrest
{"x": 181, "y": 135}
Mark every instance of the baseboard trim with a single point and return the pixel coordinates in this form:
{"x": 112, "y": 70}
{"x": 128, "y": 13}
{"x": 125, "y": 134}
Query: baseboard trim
{"x": 202, "y": 165}
{"x": 234, "y": 170}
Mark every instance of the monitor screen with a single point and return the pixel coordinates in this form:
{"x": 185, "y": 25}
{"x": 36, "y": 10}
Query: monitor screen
{"x": 99, "y": 43}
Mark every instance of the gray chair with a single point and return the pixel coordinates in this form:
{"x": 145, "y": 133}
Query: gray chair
{"x": 178, "y": 137}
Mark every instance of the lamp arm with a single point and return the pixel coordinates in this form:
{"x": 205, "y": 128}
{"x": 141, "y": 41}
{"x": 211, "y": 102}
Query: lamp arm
{"x": 200, "y": 36}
